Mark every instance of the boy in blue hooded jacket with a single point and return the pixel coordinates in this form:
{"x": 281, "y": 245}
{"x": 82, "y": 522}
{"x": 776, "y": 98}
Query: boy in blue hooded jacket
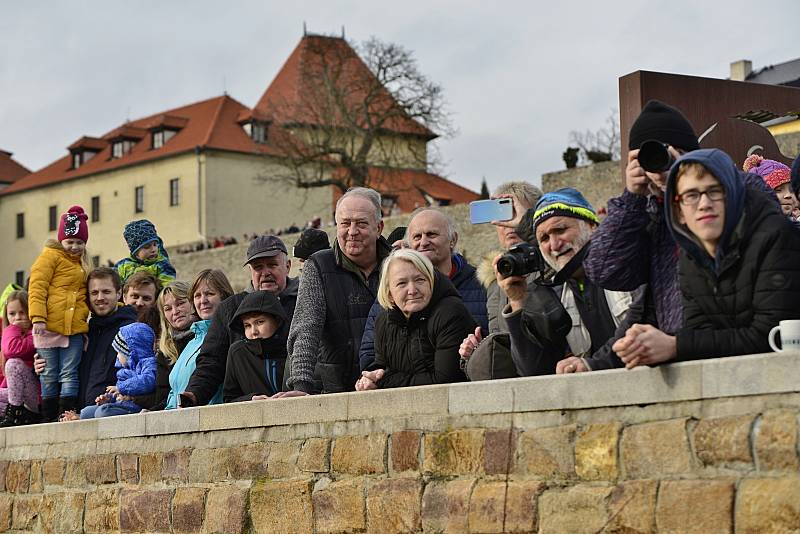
{"x": 136, "y": 375}
{"x": 738, "y": 266}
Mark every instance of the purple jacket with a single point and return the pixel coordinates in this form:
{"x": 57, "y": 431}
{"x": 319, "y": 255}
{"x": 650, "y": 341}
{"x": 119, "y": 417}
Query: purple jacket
{"x": 633, "y": 246}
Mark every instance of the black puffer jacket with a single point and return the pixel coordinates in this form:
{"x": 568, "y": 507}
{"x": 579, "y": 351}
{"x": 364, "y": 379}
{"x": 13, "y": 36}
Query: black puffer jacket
{"x": 423, "y": 349}
{"x": 732, "y": 301}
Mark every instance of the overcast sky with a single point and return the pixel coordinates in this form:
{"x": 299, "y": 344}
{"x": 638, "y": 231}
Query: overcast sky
{"x": 518, "y": 76}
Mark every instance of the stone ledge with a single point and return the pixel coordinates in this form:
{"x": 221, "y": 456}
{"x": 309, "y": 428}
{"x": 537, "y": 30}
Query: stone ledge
{"x": 758, "y": 374}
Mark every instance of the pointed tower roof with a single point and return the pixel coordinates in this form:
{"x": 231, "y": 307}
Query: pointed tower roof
{"x": 295, "y": 95}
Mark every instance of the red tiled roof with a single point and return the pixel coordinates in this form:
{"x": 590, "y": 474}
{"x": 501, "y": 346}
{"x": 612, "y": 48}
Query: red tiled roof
{"x": 410, "y": 187}
{"x": 10, "y": 170}
{"x": 207, "y": 124}
{"x": 90, "y": 143}
{"x": 293, "y": 96}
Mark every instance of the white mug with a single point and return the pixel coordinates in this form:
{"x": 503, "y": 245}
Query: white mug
{"x": 790, "y": 335}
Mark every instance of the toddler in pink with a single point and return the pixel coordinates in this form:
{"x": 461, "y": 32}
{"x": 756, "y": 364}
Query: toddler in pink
{"x": 19, "y": 391}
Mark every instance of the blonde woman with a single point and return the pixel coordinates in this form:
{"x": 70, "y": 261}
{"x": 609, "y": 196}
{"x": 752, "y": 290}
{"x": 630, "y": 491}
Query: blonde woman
{"x": 418, "y": 334}
{"x": 175, "y": 317}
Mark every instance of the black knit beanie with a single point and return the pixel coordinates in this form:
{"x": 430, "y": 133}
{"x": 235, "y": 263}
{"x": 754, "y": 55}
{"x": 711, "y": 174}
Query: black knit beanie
{"x": 663, "y": 123}
{"x": 398, "y": 233}
{"x": 311, "y": 240}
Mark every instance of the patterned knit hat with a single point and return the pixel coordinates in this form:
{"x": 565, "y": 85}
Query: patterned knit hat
{"x": 773, "y": 172}
{"x": 139, "y": 233}
{"x": 663, "y": 123}
{"x": 567, "y": 202}
{"x": 120, "y": 345}
{"x": 73, "y": 225}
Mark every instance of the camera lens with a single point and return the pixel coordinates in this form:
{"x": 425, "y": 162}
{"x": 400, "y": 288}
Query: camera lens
{"x": 654, "y": 156}
{"x": 505, "y": 266}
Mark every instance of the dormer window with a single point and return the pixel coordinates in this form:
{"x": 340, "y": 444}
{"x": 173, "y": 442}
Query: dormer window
{"x": 256, "y": 130}
{"x": 160, "y": 137}
{"x": 121, "y": 147}
{"x": 79, "y": 157}
{"x": 85, "y": 149}
{"x": 76, "y": 160}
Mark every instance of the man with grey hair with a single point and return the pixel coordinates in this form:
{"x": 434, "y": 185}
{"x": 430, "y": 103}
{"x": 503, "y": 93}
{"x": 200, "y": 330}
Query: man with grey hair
{"x": 337, "y": 289}
{"x": 432, "y": 232}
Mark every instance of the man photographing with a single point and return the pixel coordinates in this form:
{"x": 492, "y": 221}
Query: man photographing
{"x": 562, "y": 313}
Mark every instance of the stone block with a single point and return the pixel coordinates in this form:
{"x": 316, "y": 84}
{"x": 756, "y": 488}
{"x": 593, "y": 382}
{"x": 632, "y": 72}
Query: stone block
{"x": 283, "y": 457}
{"x": 445, "y": 506}
{"x": 62, "y": 512}
{"x": 75, "y": 473}
{"x": 300, "y": 410}
{"x": 18, "y": 477}
{"x": 101, "y": 514}
{"x": 175, "y": 465}
{"x": 281, "y": 506}
{"x": 232, "y": 415}
{"x": 500, "y": 445}
{"x": 6, "y": 503}
{"x": 247, "y": 462}
{"x": 481, "y": 397}
{"x": 172, "y": 421}
{"x": 188, "y": 508}
{"x": 37, "y": 480}
{"x": 393, "y": 505}
{"x": 396, "y": 402}
{"x": 575, "y": 510}
{"x": 315, "y": 455}
{"x": 522, "y": 505}
{"x": 208, "y": 465}
{"x": 632, "y": 507}
{"x": 596, "y": 451}
{"x": 359, "y": 455}
{"x": 751, "y": 375}
{"x": 723, "y": 441}
{"x": 775, "y": 441}
{"x": 656, "y": 449}
{"x": 145, "y": 510}
{"x": 101, "y": 469}
{"x": 25, "y": 514}
{"x": 233, "y": 500}
{"x": 701, "y": 506}
{"x": 150, "y": 468}
{"x": 767, "y": 505}
{"x": 487, "y": 507}
{"x": 53, "y": 471}
{"x": 123, "y": 426}
{"x": 128, "y": 468}
{"x": 455, "y": 452}
{"x": 405, "y": 450}
{"x": 547, "y": 452}
{"x": 341, "y": 506}
{"x": 3, "y": 469}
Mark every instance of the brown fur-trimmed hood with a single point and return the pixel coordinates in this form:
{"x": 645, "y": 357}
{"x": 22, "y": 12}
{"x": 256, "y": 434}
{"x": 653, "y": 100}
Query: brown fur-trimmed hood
{"x": 485, "y": 270}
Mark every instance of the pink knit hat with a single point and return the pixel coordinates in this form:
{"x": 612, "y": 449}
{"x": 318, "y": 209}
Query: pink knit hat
{"x": 73, "y": 225}
{"x": 774, "y": 173}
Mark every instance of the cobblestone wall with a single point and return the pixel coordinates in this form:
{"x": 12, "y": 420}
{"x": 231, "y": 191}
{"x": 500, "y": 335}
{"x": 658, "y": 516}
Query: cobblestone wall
{"x": 698, "y": 447}
{"x": 598, "y": 182}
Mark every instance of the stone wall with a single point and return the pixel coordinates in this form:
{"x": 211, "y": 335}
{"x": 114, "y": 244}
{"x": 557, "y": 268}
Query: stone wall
{"x": 598, "y": 182}
{"x": 693, "y": 447}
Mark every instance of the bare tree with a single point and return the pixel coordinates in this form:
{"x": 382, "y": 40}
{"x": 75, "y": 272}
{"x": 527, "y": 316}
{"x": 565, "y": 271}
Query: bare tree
{"x": 357, "y": 108}
{"x": 599, "y": 145}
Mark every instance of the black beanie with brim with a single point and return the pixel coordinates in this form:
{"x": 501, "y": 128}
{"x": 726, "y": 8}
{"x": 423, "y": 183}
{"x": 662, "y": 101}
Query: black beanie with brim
{"x": 663, "y": 123}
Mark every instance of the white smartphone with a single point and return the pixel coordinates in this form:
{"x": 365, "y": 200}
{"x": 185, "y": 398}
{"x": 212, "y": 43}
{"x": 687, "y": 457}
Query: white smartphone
{"x": 484, "y": 211}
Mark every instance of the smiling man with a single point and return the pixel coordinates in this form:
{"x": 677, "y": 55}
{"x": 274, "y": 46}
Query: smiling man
{"x": 571, "y": 315}
{"x": 336, "y": 292}
{"x": 269, "y": 266}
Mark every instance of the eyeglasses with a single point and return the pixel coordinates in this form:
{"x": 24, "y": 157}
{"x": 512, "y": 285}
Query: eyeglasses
{"x": 692, "y": 197}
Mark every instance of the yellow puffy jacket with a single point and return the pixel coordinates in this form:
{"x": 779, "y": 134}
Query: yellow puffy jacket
{"x": 57, "y": 291}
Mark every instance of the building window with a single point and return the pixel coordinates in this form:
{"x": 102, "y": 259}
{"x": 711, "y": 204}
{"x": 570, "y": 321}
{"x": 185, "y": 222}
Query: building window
{"x": 174, "y": 192}
{"x": 95, "y": 209}
{"x": 120, "y": 148}
{"x": 160, "y": 137}
{"x": 256, "y": 130}
{"x": 139, "y": 202}
{"x": 95, "y": 261}
{"x": 76, "y": 160}
{"x": 20, "y": 225}
{"x": 53, "y": 218}
{"x": 19, "y": 278}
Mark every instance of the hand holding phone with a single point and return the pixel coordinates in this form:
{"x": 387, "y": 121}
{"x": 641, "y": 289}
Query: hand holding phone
{"x": 486, "y": 211}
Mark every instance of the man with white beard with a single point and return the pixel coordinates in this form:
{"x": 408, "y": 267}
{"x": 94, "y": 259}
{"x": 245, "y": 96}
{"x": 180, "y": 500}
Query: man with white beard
{"x": 566, "y": 317}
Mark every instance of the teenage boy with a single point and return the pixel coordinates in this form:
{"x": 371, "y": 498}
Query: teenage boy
{"x": 738, "y": 266}
{"x": 255, "y": 364}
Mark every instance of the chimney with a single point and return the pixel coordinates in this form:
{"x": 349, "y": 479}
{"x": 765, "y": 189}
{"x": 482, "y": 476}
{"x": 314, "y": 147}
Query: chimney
{"x": 741, "y": 69}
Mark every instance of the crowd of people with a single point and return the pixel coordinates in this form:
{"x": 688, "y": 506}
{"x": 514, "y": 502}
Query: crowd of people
{"x": 698, "y": 259}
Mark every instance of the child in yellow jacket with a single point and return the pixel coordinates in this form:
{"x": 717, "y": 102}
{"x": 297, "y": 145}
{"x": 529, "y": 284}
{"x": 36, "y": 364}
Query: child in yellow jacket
{"x": 58, "y": 310}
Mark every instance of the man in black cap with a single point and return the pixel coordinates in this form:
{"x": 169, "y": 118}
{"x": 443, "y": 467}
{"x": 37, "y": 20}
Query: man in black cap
{"x": 310, "y": 241}
{"x": 269, "y": 271}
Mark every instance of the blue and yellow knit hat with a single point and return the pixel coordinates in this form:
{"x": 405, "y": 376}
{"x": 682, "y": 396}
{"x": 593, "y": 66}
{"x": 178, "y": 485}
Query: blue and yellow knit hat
{"x": 139, "y": 233}
{"x": 567, "y": 202}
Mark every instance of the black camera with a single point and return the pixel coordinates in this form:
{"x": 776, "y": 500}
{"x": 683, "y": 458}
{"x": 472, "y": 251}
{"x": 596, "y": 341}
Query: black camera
{"x": 521, "y": 259}
{"x": 654, "y": 156}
